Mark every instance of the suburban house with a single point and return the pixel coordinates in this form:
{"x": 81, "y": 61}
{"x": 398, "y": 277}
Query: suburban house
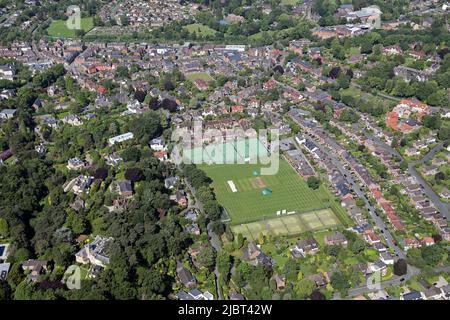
{"x": 185, "y": 276}
{"x": 180, "y": 198}
{"x": 409, "y": 74}
{"x": 193, "y": 229}
{"x": 411, "y": 243}
{"x": 390, "y": 50}
{"x": 161, "y": 155}
{"x": 195, "y": 294}
{"x": 304, "y": 247}
{"x": 7, "y": 72}
{"x": 319, "y": 279}
{"x": 386, "y": 257}
{"x": 157, "y": 144}
{"x": 36, "y": 268}
{"x": 371, "y": 237}
{"x": 412, "y": 295}
{"x": 113, "y": 159}
{"x": 124, "y": 188}
{"x": 7, "y": 113}
{"x": 379, "y": 247}
{"x": 75, "y": 164}
{"x": 255, "y": 256}
{"x": 95, "y": 252}
{"x": 445, "y": 193}
{"x": 171, "y": 182}
{"x": 336, "y": 238}
{"x": 236, "y": 296}
{"x": 280, "y": 281}
{"x": 378, "y": 266}
{"x": 432, "y": 293}
{"x": 79, "y": 184}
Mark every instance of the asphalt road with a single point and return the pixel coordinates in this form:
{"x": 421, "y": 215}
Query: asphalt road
{"x": 213, "y": 238}
{"x": 394, "y": 281}
{"x": 443, "y": 207}
{"x": 430, "y": 154}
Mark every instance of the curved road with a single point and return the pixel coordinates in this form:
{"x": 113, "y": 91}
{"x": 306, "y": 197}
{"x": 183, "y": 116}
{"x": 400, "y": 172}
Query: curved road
{"x": 443, "y": 207}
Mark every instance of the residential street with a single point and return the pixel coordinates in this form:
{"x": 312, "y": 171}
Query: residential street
{"x": 213, "y": 238}
{"x": 444, "y": 208}
{"x": 394, "y": 281}
{"x": 361, "y": 194}
{"x": 430, "y": 154}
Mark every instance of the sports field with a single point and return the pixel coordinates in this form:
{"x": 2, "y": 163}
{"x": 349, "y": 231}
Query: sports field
{"x": 285, "y": 192}
{"x": 289, "y": 224}
{"x": 58, "y": 28}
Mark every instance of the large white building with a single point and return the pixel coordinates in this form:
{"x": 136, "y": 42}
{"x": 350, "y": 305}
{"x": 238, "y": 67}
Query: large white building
{"x": 120, "y": 138}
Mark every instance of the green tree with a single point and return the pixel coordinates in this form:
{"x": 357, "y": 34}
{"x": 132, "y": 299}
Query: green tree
{"x": 207, "y": 257}
{"x": 432, "y": 255}
{"x": 131, "y": 154}
{"x": 305, "y": 287}
{"x": 4, "y": 230}
{"x": 358, "y": 246}
{"x": 21, "y": 255}
{"x": 5, "y": 291}
{"x": 212, "y": 208}
{"x": 224, "y": 264}
{"x": 400, "y": 267}
{"x": 313, "y": 183}
{"x": 340, "y": 282}
{"x": 432, "y": 121}
{"x": 239, "y": 240}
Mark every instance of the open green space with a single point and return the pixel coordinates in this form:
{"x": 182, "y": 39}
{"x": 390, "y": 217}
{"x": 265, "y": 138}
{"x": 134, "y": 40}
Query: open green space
{"x": 289, "y": 225}
{"x": 58, "y": 28}
{"x": 289, "y": 192}
{"x": 291, "y": 2}
{"x": 199, "y": 75}
{"x": 200, "y": 29}
{"x": 353, "y": 51}
{"x": 357, "y": 94}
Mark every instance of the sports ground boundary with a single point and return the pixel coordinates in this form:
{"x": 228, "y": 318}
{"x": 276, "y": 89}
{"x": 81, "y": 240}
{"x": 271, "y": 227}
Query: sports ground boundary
{"x": 252, "y": 229}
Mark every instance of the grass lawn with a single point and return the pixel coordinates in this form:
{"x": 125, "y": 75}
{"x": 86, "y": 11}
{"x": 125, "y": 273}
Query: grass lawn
{"x": 415, "y": 285}
{"x": 10, "y": 160}
{"x": 58, "y": 28}
{"x": 289, "y": 192}
{"x": 271, "y": 33}
{"x": 83, "y": 272}
{"x": 351, "y": 261}
{"x": 199, "y": 75}
{"x": 354, "y": 51}
{"x": 357, "y": 93}
{"x": 320, "y": 237}
{"x": 120, "y": 175}
{"x": 200, "y": 29}
{"x": 290, "y": 2}
{"x": 307, "y": 269}
{"x": 289, "y": 225}
{"x": 280, "y": 258}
